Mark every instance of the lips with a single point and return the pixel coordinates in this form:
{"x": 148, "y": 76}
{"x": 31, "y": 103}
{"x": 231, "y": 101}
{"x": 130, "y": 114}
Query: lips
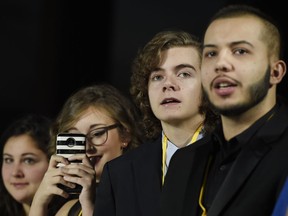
{"x": 169, "y": 100}
{"x": 95, "y": 159}
{"x": 222, "y": 82}
{"x": 19, "y": 185}
{"x": 224, "y": 86}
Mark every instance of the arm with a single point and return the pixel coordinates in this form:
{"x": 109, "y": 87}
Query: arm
{"x": 48, "y": 187}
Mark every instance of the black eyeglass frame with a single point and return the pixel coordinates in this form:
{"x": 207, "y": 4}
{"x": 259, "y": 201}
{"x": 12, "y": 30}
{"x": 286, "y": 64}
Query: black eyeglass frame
{"x": 105, "y": 129}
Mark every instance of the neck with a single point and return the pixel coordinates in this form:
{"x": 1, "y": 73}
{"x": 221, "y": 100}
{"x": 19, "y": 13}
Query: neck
{"x": 234, "y": 125}
{"x": 181, "y": 134}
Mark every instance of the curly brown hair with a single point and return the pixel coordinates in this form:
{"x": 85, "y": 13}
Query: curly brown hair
{"x": 146, "y": 61}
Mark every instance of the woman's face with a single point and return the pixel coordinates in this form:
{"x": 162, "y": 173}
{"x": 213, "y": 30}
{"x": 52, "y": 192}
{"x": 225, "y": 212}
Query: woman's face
{"x": 23, "y": 168}
{"x": 93, "y": 119}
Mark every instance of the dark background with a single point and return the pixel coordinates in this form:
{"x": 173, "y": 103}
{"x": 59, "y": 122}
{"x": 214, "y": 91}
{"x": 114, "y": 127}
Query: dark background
{"x": 50, "y": 48}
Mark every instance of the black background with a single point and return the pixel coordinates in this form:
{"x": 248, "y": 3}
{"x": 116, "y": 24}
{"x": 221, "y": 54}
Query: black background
{"x": 50, "y": 48}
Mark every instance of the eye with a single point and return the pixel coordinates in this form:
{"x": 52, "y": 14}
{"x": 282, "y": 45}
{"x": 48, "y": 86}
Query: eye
{"x": 97, "y": 133}
{"x": 184, "y": 74}
{"x": 210, "y": 54}
{"x": 29, "y": 161}
{"x": 156, "y": 77}
{"x": 240, "y": 51}
{"x": 8, "y": 160}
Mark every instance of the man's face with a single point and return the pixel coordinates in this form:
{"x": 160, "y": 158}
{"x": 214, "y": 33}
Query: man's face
{"x": 235, "y": 68}
{"x": 174, "y": 87}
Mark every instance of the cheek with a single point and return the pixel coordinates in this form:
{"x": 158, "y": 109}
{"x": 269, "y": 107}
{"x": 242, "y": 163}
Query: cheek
{"x": 206, "y": 67}
{"x": 154, "y": 87}
{"x": 112, "y": 147}
{"x": 151, "y": 93}
{"x": 194, "y": 89}
{"x": 153, "y": 101}
{"x": 36, "y": 173}
{"x": 6, "y": 171}
{"x": 112, "y": 150}
{"x": 153, "y": 104}
{"x": 205, "y": 79}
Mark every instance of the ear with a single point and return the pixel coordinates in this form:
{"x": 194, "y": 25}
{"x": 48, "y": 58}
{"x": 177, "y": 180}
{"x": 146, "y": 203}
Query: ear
{"x": 124, "y": 145}
{"x": 278, "y": 72}
{"x": 126, "y": 138}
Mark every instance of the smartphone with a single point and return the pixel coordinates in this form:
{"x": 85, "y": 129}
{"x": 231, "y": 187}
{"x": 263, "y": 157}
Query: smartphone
{"x": 68, "y": 144}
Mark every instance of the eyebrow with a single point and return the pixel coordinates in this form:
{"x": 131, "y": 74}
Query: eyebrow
{"x": 184, "y": 66}
{"x": 177, "y": 67}
{"x": 231, "y": 44}
{"x": 90, "y": 128}
{"x": 22, "y": 155}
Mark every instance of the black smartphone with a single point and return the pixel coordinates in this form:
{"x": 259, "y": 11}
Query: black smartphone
{"x": 68, "y": 144}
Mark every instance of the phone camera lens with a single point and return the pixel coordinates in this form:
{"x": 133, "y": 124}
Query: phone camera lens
{"x": 70, "y": 142}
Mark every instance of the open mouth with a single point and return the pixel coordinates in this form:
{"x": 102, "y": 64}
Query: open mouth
{"x": 223, "y": 85}
{"x": 169, "y": 101}
{"x": 95, "y": 159}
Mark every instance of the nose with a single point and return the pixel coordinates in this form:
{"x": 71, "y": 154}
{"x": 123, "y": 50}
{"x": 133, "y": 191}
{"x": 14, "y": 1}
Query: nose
{"x": 90, "y": 148}
{"x": 17, "y": 170}
{"x": 223, "y": 63}
{"x": 170, "y": 84}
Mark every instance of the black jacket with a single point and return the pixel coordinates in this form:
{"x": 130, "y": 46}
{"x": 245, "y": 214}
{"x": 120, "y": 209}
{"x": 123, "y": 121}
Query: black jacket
{"x": 252, "y": 184}
{"x": 131, "y": 184}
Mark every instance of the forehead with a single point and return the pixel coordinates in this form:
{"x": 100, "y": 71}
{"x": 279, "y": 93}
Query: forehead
{"x": 244, "y": 28}
{"x": 20, "y": 144}
{"x": 93, "y": 115}
{"x": 180, "y": 55}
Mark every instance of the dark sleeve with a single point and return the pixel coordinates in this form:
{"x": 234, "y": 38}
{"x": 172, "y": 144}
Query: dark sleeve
{"x": 105, "y": 202}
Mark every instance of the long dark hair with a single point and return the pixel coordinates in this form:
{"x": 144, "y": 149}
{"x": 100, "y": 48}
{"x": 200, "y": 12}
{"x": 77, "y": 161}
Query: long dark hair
{"x": 37, "y": 127}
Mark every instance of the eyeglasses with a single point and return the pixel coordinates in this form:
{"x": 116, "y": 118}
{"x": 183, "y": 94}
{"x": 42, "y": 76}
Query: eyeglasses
{"x": 99, "y": 136}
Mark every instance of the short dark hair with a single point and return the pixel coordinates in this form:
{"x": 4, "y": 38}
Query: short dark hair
{"x": 271, "y": 32}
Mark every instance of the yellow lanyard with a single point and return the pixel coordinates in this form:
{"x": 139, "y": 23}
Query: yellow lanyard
{"x": 80, "y": 213}
{"x": 164, "y": 148}
{"x": 200, "y": 201}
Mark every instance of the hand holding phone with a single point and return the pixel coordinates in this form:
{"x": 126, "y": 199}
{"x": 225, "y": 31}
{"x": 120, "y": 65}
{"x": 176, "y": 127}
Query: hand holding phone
{"x": 68, "y": 144}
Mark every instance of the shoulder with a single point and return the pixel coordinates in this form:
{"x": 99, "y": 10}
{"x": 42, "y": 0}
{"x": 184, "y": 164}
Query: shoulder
{"x": 282, "y": 106}
{"x": 150, "y": 147}
{"x": 146, "y": 155}
{"x": 278, "y": 118}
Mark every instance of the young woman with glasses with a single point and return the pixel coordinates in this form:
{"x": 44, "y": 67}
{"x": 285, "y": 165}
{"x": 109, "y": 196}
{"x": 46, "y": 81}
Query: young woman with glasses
{"x": 109, "y": 121}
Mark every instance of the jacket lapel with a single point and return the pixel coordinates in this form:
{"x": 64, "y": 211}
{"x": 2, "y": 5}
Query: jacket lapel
{"x": 189, "y": 166}
{"x": 249, "y": 158}
{"x": 147, "y": 170}
{"x": 246, "y": 162}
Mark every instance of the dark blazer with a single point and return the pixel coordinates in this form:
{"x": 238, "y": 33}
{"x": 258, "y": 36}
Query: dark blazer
{"x": 252, "y": 185}
{"x": 131, "y": 184}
